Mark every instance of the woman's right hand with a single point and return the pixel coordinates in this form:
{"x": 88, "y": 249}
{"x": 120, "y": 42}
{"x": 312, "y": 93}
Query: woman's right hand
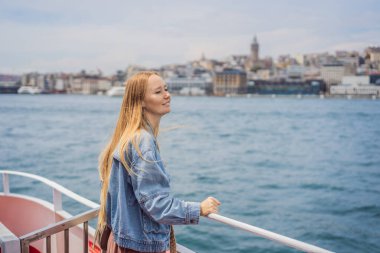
{"x": 209, "y": 205}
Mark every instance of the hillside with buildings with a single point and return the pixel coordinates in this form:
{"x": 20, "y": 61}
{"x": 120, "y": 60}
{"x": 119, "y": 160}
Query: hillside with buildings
{"x": 342, "y": 73}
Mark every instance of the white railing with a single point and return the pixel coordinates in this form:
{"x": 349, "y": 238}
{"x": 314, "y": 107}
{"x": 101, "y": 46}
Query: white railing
{"x": 46, "y": 232}
{"x": 268, "y": 234}
{"x": 65, "y": 225}
{"x": 57, "y": 200}
{"x": 57, "y": 189}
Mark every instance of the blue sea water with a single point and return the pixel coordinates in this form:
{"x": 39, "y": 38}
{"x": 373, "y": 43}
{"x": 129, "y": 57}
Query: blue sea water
{"x": 305, "y": 168}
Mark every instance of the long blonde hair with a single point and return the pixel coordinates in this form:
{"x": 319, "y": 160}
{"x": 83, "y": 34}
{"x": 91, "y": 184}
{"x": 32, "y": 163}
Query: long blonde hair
{"x": 128, "y": 126}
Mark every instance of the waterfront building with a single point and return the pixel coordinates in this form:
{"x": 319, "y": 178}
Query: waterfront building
{"x": 75, "y": 85}
{"x": 230, "y": 81}
{"x": 93, "y": 85}
{"x": 40, "y": 82}
{"x": 374, "y": 79}
{"x": 283, "y": 87}
{"x": 356, "y": 86}
{"x": 295, "y": 73}
{"x": 197, "y": 85}
{"x": 33, "y": 83}
{"x": 332, "y": 74}
{"x": 59, "y": 85}
{"x": 30, "y": 80}
{"x": 312, "y": 72}
{"x": 89, "y": 84}
{"x": 355, "y": 80}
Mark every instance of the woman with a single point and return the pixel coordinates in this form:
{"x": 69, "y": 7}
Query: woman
{"x": 135, "y": 197}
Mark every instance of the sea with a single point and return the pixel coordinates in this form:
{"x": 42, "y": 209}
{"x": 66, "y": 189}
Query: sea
{"x": 305, "y": 168}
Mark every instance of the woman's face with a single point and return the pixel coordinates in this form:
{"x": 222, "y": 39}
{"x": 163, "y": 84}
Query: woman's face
{"x": 157, "y": 98}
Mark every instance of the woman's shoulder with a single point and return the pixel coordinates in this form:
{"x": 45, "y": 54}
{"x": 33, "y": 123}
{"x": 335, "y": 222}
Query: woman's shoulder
{"x": 145, "y": 141}
{"x": 141, "y": 142}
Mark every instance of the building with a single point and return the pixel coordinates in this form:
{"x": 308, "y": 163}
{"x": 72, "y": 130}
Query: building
{"x": 93, "y": 85}
{"x": 230, "y": 81}
{"x": 254, "y": 50}
{"x": 332, "y": 74}
{"x": 350, "y": 60}
{"x": 295, "y": 73}
{"x": 374, "y": 79}
{"x": 374, "y": 54}
{"x": 205, "y": 63}
{"x": 189, "y": 85}
{"x": 270, "y": 87}
{"x": 88, "y": 84}
{"x": 253, "y": 62}
{"x": 356, "y": 86}
{"x": 363, "y": 90}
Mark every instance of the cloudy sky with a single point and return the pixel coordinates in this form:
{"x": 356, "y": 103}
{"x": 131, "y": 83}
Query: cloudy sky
{"x": 52, "y": 36}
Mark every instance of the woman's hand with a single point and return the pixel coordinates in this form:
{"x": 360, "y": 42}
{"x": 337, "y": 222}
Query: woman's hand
{"x": 209, "y": 205}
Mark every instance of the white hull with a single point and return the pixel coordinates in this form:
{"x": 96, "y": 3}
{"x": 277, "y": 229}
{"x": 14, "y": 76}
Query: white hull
{"x": 117, "y": 91}
{"x": 29, "y": 90}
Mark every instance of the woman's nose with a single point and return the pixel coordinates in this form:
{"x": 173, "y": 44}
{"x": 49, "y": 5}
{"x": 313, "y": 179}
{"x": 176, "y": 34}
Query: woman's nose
{"x": 167, "y": 94}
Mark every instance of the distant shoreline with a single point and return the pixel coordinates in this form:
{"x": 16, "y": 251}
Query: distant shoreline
{"x": 248, "y": 96}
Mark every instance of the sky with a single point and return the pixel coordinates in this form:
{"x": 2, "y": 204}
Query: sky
{"x": 69, "y": 36}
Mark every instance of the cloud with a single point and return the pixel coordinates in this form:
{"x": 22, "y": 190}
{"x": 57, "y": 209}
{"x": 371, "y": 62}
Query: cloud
{"x": 66, "y": 36}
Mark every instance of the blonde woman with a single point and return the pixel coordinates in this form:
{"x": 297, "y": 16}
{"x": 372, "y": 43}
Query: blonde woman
{"x": 135, "y": 200}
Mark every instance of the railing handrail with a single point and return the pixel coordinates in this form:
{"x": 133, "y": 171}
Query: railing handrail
{"x": 268, "y": 234}
{"x": 60, "y": 226}
{"x": 64, "y": 225}
{"x": 231, "y": 222}
{"x": 55, "y": 186}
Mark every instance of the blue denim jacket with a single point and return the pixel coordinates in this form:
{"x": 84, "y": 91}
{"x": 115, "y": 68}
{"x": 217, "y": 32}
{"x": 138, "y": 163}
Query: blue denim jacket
{"x": 140, "y": 208}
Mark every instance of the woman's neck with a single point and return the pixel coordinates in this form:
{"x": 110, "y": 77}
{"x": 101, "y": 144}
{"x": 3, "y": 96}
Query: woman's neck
{"x": 154, "y": 123}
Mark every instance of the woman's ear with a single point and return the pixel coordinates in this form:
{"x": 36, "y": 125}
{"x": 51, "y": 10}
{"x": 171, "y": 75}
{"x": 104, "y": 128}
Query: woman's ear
{"x": 143, "y": 104}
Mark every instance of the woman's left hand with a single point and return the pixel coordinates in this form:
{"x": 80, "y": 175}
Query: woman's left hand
{"x": 209, "y": 205}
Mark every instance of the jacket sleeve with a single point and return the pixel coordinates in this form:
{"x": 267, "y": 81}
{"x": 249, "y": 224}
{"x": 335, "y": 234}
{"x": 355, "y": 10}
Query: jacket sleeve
{"x": 152, "y": 190}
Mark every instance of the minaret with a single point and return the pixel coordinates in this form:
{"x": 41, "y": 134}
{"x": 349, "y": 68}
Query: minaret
{"x": 255, "y": 50}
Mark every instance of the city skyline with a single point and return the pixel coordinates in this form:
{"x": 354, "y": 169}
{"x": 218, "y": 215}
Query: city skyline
{"x": 70, "y": 36}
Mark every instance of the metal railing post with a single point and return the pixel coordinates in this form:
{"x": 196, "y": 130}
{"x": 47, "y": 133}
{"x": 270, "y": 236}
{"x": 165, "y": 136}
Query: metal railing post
{"x": 25, "y": 247}
{"x": 85, "y": 237}
{"x": 67, "y": 245}
{"x": 57, "y": 200}
{"x": 5, "y": 183}
{"x": 48, "y": 244}
{"x": 55, "y": 228}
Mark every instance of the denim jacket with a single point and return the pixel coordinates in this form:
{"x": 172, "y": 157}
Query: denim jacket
{"x": 140, "y": 207}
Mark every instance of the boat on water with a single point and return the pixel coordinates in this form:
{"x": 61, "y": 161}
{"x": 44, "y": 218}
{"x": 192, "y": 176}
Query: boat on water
{"x": 33, "y": 225}
{"x": 116, "y": 91}
{"x": 9, "y": 84}
{"x": 4, "y": 89}
{"x": 29, "y": 90}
